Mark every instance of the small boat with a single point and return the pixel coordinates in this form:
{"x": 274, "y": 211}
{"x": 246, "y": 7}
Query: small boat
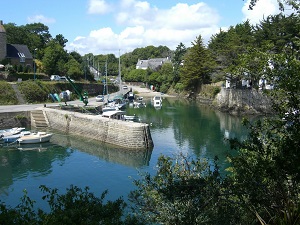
{"x": 157, "y": 101}
{"x": 116, "y": 114}
{"x": 11, "y": 131}
{"x": 38, "y": 137}
{"x": 14, "y": 137}
{"x": 139, "y": 105}
{"x": 119, "y": 115}
{"x": 133, "y": 118}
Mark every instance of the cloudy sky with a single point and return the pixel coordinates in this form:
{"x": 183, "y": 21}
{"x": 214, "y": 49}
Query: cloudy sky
{"x": 113, "y": 26}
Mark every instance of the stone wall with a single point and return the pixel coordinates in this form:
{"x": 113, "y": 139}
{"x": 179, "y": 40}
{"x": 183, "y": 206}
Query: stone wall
{"x": 120, "y": 133}
{"x": 14, "y": 119}
{"x": 242, "y": 101}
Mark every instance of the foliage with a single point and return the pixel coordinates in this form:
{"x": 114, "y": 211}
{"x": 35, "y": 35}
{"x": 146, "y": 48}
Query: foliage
{"x": 226, "y": 46}
{"x": 276, "y": 32}
{"x": 76, "y": 206}
{"x": 138, "y": 75}
{"x": 33, "y": 91}
{"x": 183, "y": 191}
{"x": 7, "y": 94}
{"x": 178, "y": 60}
{"x": 198, "y": 64}
{"x": 54, "y": 59}
{"x": 266, "y": 171}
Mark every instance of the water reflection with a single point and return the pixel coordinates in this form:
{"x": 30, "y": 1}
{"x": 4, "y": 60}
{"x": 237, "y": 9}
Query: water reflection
{"x": 127, "y": 157}
{"x": 198, "y": 128}
{"x": 17, "y": 162}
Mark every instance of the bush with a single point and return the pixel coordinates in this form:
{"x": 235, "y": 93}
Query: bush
{"x": 7, "y": 94}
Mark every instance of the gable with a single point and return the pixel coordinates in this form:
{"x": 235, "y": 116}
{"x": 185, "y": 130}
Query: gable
{"x": 18, "y": 51}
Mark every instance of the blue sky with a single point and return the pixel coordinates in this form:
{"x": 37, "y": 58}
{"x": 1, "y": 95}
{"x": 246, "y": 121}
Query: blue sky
{"x": 110, "y": 26}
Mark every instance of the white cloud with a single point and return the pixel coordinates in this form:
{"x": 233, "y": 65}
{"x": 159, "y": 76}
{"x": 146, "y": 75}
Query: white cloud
{"x": 98, "y": 7}
{"x": 145, "y": 25}
{"x": 262, "y": 10}
{"x": 40, "y": 19}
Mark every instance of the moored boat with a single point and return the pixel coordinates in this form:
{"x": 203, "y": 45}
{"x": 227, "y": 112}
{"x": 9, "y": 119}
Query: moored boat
{"x": 157, "y": 101}
{"x": 11, "y": 131}
{"x": 14, "y": 137}
{"x": 38, "y": 137}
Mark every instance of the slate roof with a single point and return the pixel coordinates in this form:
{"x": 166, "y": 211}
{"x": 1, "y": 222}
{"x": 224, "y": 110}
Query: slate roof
{"x": 151, "y": 63}
{"x": 17, "y": 51}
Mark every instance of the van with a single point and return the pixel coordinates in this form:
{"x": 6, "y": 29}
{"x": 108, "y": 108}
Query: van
{"x": 55, "y": 77}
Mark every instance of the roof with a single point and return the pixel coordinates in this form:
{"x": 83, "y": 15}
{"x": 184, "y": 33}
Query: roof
{"x": 18, "y": 51}
{"x": 151, "y": 63}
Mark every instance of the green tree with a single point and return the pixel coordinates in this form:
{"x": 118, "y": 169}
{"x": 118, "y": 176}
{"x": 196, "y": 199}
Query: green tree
{"x": 73, "y": 69}
{"x": 198, "y": 65}
{"x": 183, "y": 191}
{"x": 76, "y": 206}
{"x": 178, "y": 60}
{"x": 61, "y": 40}
{"x": 54, "y": 58}
{"x": 226, "y": 46}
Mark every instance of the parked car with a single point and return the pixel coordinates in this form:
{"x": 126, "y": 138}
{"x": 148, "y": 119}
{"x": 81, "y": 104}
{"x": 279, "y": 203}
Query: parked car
{"x": 63, "y": 78}
{"x": 55, "y": 77}
{"x": 125, "y": 87}
{"x": 99, "y": 98}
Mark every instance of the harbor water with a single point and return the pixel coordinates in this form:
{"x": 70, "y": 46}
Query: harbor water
{"x": 176, "y": 127}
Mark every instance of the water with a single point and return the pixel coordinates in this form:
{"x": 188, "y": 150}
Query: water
{"x": 72, "y": 160}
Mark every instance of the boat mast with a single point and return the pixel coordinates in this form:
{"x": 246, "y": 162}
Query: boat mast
{"x": 120, "y": 82}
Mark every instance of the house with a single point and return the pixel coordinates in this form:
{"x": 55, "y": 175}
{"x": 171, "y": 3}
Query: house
{"x": 14, "y": 54}
{"x": 153, "y": 64}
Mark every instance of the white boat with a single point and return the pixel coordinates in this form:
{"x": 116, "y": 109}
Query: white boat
{"x": 133, "y": 118}
{"x": 14, "y": 137}
{"x": 116, "y": 114}
{"x": 157, "y": 101}
{"x": 38, "y": 137}
{"x": 139, "y": 105}
{"x": 119, "y": 115}
{"x": 11, "y": 131}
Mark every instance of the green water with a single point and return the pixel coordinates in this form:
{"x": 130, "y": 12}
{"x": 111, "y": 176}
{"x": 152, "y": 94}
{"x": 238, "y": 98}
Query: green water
{"x": 177, "y": 127}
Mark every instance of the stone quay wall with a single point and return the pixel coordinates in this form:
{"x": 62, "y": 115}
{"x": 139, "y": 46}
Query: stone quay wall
{"x": 241, "y": 101}
{"x": 125, "y": 134}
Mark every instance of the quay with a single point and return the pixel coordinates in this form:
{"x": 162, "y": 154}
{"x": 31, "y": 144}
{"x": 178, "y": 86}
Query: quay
{"x": 124, "y": 134}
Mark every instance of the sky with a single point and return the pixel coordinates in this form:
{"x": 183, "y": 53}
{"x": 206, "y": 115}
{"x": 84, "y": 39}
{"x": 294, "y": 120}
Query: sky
{"x": 120, "y": 26}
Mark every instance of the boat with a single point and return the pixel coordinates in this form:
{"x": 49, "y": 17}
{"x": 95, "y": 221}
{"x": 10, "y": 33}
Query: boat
{"x": 14, "y": 137}
{"x": 157, "y": 101}
{"x": 139, "y": 104}
{"x": 119, "y": 115}
{"x": 116, "y": 114}
{"x": 38, "y": 137}
{"x": 133, "y": 118}
{"x": 11, "y": 131}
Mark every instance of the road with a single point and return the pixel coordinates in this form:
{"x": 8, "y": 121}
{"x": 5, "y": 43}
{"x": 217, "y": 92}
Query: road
{"x": 92, "y": 101}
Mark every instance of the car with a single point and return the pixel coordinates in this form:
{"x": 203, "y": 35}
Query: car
{"x": 125, "y": 87}
{"x": 99, "y": 98}
{"x": 55, "y": 77}
{"x": 65, "y": 79}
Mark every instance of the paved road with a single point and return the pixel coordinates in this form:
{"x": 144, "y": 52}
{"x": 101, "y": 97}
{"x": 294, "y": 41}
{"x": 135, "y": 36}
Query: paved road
{"x": 92, "y": 101}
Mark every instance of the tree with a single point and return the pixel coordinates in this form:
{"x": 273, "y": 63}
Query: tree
{"x": 61, "y": 40}
{"x": 54, "y": 59}
{"x": 278, "y": 32}
{"x": 281, "y": 3}
{"x": 227, "y": 46}
{"x": 76, "y": 206}
{"x": 198, "y": 65}
{"x": 178, "y": 60}
{"x": 265, "y": 173}
{"x": 183, "y": 191}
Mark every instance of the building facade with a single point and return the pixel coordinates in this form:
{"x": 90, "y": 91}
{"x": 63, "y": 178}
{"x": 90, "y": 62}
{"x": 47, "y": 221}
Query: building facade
{"x": 14, "y": 54}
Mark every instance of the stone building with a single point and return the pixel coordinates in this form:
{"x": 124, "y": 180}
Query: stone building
{"x": 14, "y": 54}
